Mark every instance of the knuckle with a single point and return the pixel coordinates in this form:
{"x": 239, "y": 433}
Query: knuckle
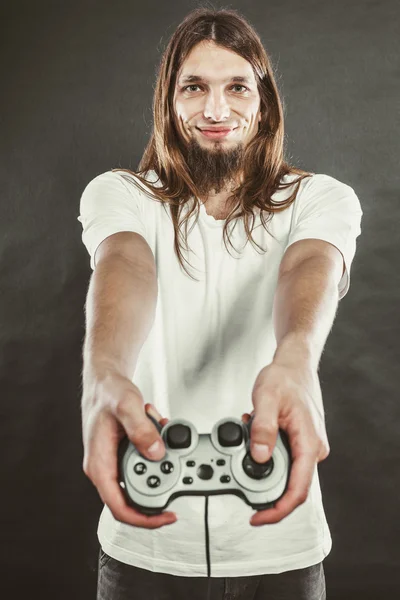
{"x": 87, "y": 468}
{"x": 116, "y": 514}
{"x": 139, "y": 437}
{"x": 323, "y": 450}
{"x": 324, "y": 453}
{"x": 302, "y": 497}
{"x": 124, "y": 406}
{"x": 262, "y": 429}
{"x": 143, "y": 437}
{"x": 282, "y": 516}
{"x": 270, "y": 389}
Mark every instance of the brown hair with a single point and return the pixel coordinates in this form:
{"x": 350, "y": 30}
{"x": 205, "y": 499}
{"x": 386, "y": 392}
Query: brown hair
{"x": 264, "y": 164}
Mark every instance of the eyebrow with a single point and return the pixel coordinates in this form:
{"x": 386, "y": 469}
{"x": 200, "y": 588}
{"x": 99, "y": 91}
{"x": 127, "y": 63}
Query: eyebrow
{"x": 191, "y": 78}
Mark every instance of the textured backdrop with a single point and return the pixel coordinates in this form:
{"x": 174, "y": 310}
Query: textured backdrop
{"x": 76, "y": 100}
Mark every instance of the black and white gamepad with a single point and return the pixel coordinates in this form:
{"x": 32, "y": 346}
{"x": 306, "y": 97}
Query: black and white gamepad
{"x": 202, "y": 465}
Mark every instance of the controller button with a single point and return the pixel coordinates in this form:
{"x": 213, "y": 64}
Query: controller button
{"x": 190, "y": 463}
{"x": 220, "y": 462}
{"x": 167, "y": 467}
{"x": 205, "y": 472}
{"x": 225, "y": 479}
{"x": 230, "y": 434}
{"x": 187, "y": 480}
{"x": 153, "y": 481}
{"x": 140, "y": 468}
{"x": 179, "y": 436}
{"x": 257, "y": 470}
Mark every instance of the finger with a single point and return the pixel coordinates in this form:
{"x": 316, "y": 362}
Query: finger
{"x": 139, "y": 429}
{"x": 263, "y": 434}
{"x": 151, "y": 409}
{"x": 297, "y": 491}
{"x": 111, "y": 494}
{"x": 104, "y": 476}
{"x": 264, "y": 426}
{"x": 246, "y": 417}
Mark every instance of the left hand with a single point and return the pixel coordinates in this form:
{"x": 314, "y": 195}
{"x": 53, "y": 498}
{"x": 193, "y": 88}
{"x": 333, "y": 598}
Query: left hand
{"x": 288, "y": 396}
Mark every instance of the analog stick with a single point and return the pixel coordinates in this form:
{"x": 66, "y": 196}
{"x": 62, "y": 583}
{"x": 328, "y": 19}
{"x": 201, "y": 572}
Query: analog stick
{"x": 257, "y": 470}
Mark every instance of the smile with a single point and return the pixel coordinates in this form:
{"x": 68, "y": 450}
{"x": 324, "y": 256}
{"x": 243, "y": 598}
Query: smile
{"x": 216, "y": 134}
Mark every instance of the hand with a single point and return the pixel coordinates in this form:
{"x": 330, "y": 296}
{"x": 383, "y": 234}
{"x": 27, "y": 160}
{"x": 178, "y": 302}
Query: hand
{"x": 115, "y": 406}
{"x": 288, "y": 397}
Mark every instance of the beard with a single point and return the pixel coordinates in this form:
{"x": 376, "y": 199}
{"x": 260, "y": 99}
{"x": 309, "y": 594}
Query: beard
{"x": 215, "y": 168}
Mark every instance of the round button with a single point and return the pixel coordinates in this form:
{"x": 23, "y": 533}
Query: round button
{"x": 230, "y": 434}
{"x": 205, "y": 472}
{"x": 140, "y": 468}
{"x": 167, "y": 467}
{"x": 153, "y": 481}
{"x": 179, "y": 436}
{"x": 257, "y": 470}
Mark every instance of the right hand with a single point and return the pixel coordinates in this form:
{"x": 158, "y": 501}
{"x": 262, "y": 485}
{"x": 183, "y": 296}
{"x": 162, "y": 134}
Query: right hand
{"x": 115, "y": 408}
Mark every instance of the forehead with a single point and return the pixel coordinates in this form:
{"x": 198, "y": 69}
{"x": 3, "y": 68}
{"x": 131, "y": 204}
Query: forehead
{"x": 211, "y": 63}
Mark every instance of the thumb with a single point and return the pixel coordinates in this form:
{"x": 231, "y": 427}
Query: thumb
{"x": 139, "y": 428}
{"x": 263, "y": 434}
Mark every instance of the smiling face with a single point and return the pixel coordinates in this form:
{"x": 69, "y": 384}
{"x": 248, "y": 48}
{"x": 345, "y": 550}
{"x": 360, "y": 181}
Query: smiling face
{"x": 215, "y": 88}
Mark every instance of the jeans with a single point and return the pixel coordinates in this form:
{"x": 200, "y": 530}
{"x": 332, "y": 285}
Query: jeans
{"x": 119, "y": 581}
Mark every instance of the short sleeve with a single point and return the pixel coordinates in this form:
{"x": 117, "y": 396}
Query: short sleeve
{"x": 329, "y": 210}
{"x": 109, "y": 205}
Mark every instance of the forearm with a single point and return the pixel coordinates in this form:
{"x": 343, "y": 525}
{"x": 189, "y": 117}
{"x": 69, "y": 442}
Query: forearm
{"x": 305, "y": 305}
{"x": 120, "y": 311}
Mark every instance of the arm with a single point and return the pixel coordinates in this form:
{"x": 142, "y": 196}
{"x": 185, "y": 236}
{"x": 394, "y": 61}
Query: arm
{"x": 306, "y": 300}
{"x": 120, "y": 310}
{"x": 287, "y": 393}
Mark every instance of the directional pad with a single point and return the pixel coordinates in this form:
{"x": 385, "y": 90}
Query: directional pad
{"x": 230, "y": 434}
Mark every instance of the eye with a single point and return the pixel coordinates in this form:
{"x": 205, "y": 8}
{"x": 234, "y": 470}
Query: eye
{"x": 189, "y": 86}
{"x": 198, "y": 86}
{"x": 241, "y": 86}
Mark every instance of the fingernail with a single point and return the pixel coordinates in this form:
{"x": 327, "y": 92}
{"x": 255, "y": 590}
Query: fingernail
{"x": 261, "y": 451}
{"x": 155, "y": 448}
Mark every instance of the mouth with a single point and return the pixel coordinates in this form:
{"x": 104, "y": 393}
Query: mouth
{"x": 216, "y": 133}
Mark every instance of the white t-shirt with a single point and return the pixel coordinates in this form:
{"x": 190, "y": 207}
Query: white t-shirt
{"x": 209, "y": 340}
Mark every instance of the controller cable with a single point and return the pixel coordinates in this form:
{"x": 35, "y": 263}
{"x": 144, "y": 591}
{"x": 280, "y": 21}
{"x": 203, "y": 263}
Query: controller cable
{"x": 207, "y": 547}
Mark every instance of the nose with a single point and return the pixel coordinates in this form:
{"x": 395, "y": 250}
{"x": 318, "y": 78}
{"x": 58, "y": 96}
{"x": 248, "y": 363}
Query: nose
{"x": 216, "y": 107}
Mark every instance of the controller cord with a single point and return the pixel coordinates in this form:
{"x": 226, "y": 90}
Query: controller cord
{"x": 207, "y": 547}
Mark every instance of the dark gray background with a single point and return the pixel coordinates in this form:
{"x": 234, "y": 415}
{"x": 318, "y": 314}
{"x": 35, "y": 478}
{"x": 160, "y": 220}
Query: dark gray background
{"x": 77, "y": 85}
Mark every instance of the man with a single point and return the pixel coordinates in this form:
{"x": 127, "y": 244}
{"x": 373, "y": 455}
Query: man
{"x": 247, "y": 336}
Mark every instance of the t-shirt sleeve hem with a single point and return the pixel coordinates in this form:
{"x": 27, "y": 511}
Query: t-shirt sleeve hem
{"x": 108, "y": 206}
{"x": 105, "y": 234}
{"x": 344, "y": 283}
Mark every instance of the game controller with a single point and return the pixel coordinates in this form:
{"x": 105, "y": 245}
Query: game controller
{"x": 202, "y": 465}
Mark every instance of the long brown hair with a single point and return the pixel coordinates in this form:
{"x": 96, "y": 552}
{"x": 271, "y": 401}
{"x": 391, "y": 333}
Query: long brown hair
{"x": 263, "y": 165}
